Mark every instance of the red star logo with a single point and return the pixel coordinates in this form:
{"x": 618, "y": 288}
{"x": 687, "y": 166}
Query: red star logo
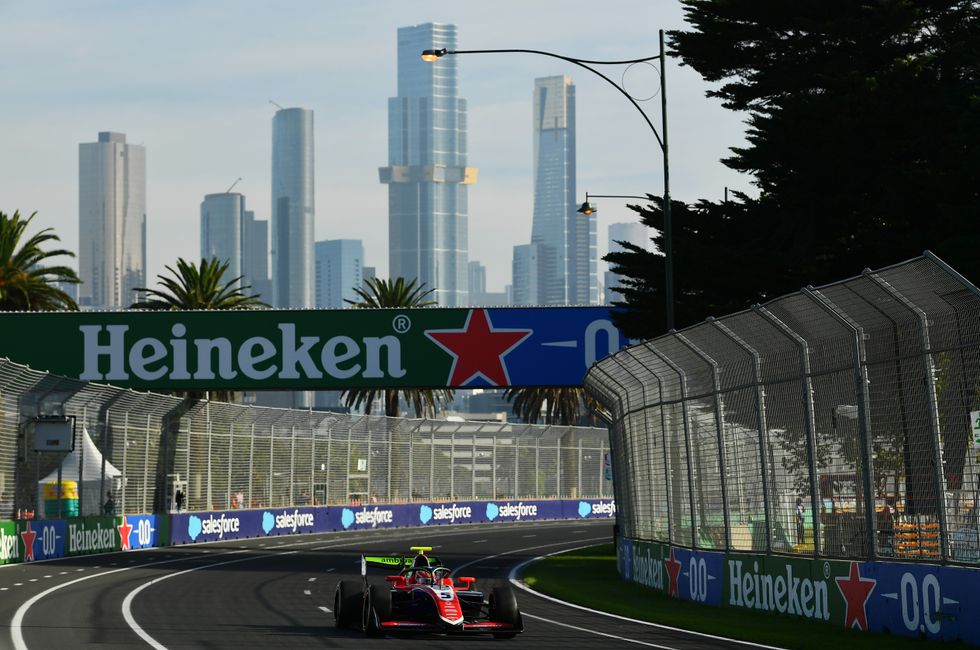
{"x": 478, "y": 349}
{"x": 856, "y": 591}
{"x": 124, "y": 531}
{"x": 28, "y": 537}
{"x": 673, "y": 572}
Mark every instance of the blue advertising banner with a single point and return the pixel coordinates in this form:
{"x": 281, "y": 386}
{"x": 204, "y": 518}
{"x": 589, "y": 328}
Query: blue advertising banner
{"x": 589, "y": 509}
{"x": 921, "y": 600}
{"x": 237, "y": 524}
{"x": 42, "y": 539}
{"x": 142, "y": 531}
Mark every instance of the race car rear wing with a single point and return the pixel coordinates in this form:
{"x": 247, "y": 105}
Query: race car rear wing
{"x": 398, "y": 562}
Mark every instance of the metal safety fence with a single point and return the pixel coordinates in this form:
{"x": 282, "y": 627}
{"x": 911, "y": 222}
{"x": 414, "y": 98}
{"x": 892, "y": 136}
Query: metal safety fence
{"x": 832, "y": 422}
{"x": 149, "y": 451}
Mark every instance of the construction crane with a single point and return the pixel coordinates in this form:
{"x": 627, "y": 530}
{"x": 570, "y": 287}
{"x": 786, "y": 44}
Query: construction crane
{"x": 228, "y": 191}
{"x": 276, "y": 105}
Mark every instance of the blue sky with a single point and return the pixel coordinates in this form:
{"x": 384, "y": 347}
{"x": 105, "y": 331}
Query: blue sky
{"x": 192, "y": 82}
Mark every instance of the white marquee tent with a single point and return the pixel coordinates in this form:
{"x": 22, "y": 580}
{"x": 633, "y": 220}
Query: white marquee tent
{"x": 91, "y": 489}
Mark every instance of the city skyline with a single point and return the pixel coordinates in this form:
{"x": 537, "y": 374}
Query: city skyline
{"x": 201, "y": 106}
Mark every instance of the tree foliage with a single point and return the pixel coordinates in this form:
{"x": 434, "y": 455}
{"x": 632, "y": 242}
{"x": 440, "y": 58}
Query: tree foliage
{"x": 198, "y": 287}
{"x": 863, "y": 133}
{"x": 390, "y": 294}
{"x": 560, "y": 405}
{"x": 26, "y": 280}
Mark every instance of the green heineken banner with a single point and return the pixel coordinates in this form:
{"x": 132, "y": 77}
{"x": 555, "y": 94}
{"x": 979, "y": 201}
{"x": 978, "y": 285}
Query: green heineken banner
{"x": 315, "y": 349}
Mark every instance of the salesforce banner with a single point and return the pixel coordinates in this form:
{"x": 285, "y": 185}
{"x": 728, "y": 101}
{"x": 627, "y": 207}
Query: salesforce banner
{"x": 236, "y": 524}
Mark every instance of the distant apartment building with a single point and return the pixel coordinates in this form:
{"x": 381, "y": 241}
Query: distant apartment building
{"x": 255, "y": 256}
{"x": 222, "y": 217}
{"x": 633, "y": 232}
{"x": 339, "y": 270}
{"x": 111, "y": 221}
{"x": 427, "y": 173}
{"x": 525, "y": 289}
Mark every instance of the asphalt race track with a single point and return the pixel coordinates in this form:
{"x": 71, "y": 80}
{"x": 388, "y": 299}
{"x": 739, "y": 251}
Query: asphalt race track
{"x": 278, "y": 593}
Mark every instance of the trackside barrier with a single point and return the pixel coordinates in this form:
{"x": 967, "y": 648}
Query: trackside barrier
{"x": 910, "y": 599}
{"x": 32, "y": 540}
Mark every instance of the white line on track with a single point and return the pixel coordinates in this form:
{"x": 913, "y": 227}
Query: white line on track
{"x": 307, "y": 592}
{"x": 312, "y": 580}
{"x": 518, "y": 583}
{"x": 325, "y": 610}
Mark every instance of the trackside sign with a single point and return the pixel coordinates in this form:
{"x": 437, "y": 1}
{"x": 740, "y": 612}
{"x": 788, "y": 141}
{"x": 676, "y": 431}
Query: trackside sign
{"x": 315, "y": 349}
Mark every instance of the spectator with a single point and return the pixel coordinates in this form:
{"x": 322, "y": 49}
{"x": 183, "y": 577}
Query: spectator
{"x": 109, "y": 509}
{"x": 179, "y": 499}
{"x": 799, "y": 520}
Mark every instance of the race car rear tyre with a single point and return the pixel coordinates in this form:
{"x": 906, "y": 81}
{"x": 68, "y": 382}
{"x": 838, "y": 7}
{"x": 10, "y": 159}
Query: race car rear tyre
{"x": 378, "y": 608}
{"x": 503, "y": 609}
{"x": 347, "y": 603}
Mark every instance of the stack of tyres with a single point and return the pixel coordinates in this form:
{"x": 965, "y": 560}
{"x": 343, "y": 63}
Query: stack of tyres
{"x": 69, "y": 500}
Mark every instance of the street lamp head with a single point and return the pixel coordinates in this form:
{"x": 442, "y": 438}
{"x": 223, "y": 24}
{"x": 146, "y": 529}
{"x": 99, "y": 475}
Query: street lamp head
{"x": 430, "y": 56}
{"x": 586, "y": 208}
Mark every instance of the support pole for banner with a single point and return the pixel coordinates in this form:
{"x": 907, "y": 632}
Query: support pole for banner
{"x": 493, "y": 467}
{"x": 326, "y": 479}
{"x": 210, "y": 496}
{"x": 391, "y": 452}
{"x": 578, "y": 480}
{"x": 312, "y": 488}
{"x": 432, "y": 462}
{"x": 231, "y": 462}
{"x": 292, "y": 465}
{"x": 537, "y": 459}
{"x": 146, "y": 463}
{"x": 473, "y": 469}
{"x": 350, "y": 434}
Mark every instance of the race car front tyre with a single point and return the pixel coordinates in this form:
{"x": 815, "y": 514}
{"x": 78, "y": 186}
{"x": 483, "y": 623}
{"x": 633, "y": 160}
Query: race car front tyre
{"x": 378, "y": 608}
{"x": 503, "y": 609}
{"x": 347, "y": 603}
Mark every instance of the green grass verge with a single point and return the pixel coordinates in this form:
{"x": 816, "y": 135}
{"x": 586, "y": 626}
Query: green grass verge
{"x": 588, "y": 577}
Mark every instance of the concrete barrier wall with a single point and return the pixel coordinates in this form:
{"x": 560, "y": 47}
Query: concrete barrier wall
{"x": 909, "y": 599}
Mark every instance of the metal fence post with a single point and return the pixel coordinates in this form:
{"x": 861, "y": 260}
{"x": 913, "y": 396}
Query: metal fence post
{"x": 326, "y": 480}
{"x": 146, "y": 463}
{"x": 578, "y": 480}
{"x": 720, "y": 430}
{"x": 808, "y": 425}
{"x": 432, "y": 463}
{"x": 930, "y": 382}
{"x": 760, "y": 408}
{"x": 864, "y": 417}
{"x": 122, "y": 497}
{"x": 473, "y": 469}
{"x": 537, "y": 459}
{"x": 210, "y": 502}
{"x": 251, "y": 463}
{"x": 231, "y": 462}
{"x": 695, "y": 536}
{"x": 292, "y": 465}
{"x": 272, "y": 453}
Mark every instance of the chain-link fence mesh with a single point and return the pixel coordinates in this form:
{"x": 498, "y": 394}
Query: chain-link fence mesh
{"x": 143, "y": 448}
{"x": 833, "y": 422}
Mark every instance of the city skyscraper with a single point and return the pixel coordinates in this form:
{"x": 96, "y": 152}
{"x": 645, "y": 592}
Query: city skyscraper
{"x": 255, "y": 256}
{"x": 222, "y": 217}
{"x": 339, "y": 270}
{"x": 292, "y": 208}
{"x": 633, "y": 232}
{"x": 111, "y": 221}
{"x": 526, "y": 261}
{"x": 566, "y": 240}
{"x": 427, "y": 175}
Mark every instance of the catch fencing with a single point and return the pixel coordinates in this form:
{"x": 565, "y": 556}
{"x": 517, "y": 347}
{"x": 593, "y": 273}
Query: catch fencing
{"x": 833, "y": 422}
{"x": 145, "y": 448}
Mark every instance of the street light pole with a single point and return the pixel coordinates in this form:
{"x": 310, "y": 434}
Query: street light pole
{"x": 434, "y": 55}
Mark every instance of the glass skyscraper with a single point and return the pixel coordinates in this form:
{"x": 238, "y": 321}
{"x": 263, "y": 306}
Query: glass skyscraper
{"x": 339, "y": 270}
{"x": 566, "y": 240}
{"x": 427, "y": 176}
{"x": 222, "y": 217}
{"x": 292, "y": 208}
{"x": 111, "y": 221}
{"x": 633, "y": 232}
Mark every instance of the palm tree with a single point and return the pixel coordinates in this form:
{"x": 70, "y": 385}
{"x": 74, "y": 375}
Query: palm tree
{"x": 381, "y": 294}
{"x": 198, "y": 288}
{"x": 561, "y": 405}
{"x": 193, "y": 287}
{"x": 26, "y": 283}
